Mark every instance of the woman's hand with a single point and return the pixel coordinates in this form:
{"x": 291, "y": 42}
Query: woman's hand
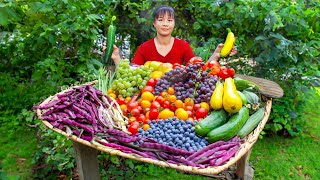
{"x": 216, "y": 54}
{"x": 115, "y": 56}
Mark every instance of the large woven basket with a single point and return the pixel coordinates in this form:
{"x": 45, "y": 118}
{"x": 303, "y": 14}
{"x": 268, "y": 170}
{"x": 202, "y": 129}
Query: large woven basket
{"x": 211, "y": 170}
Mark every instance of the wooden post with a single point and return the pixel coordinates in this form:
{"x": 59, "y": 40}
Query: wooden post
{"x": 87, "y": 162}
{"x": 244, "y": 171}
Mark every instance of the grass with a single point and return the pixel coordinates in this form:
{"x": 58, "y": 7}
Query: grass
{"x": 274, "y": 157}
{"x": 16, "y": 153}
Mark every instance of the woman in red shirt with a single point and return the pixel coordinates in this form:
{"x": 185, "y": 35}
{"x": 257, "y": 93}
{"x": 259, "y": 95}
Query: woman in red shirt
{"x": 164, "y": 47}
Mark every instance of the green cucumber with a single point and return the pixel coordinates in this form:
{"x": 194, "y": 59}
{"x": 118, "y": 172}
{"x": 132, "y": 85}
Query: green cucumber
{"x": 243, "y": 98}
{"x": 214, "y": 120}
{"x": 251, "y": 123}
{"x": 242, "y": 84}
{"x": 251, "y": 97}
{"x": 231, "y": 128}
{"x": 110, "y": 42}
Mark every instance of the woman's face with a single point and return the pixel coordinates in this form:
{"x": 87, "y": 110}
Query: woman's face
{"x": 164, "y": 25}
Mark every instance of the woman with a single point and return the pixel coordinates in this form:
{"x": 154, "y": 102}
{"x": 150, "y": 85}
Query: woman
{"x": 164, "y": 47}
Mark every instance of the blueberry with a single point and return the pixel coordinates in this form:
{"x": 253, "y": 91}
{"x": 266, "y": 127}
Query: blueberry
{"x": 187, "y": 145}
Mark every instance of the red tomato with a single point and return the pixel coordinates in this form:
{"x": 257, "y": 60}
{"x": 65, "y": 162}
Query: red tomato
{"x": 152, "y": 82}
{"x": 190, "y": 113}
{"x": 146, "y": 121}
{"x": 132, "y": 105}
{"x": 135, "y": 112}
{"x": 135, "y": 123}
{"x": 147, "y": 88}
{"x": 141, "y": 118}
{"x": 166, "y": 104}
{"x": 153, "y": 114}
{"x": 155, "y": 105}
{"x": 121, "y": 101}
{"x": 140, "y": 109}
{"x": 196, "y": 106}
{"x": 173, "y": 107}
{"x": 201, "y": 113}
{"x": 125, "y": 112}
{"x": 160, "y": 100}
{"x": 133, "y": 129}
{"x": 231, "y": 72}
{"x": 223, "y": 74}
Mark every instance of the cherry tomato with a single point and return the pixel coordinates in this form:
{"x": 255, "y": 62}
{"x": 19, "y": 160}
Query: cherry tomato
{"x": 145, "y": 104}
{"x": 223, "y": 74}
{"x": 188, "y": 102}
{"x": 128, "y": 99}
{"x": 152, "y": 82}
{"x": 172, "y": 107}
{"x": 153, "y": 114}
{"x": 170, "y": 91}
{"x": 147, "y": 88}
{"x": 155, "y": 105}
{"x": 147, "y": 96}
{"x": 123, "y": 106}
{"x": 172, "y": 98}
{"x": 121, "y": 101}
{"x": 201, "y": 113}
{"x": 205, "y": 105}
{"x": 178, "y": 103}
{"x": 166, "y": 104}
{"x": 145, "y": 127}
{"x": 164, "y": 94}
{"x": 133, "y": 129}
{"x": 141, "y": 118}
{"x": 132, "y": 105}
{"x": 165, "y": 114}
{"x": 135, "y": 112}
{"x": 188, "y": 108}
{"x": 160, "y": 100}
{"x": 231, "y": 72}
{"x": 196, "y": 106}
{"x": 190, "y": 113}
{"x": 146, "y": 121}
{"x": 182, "y": 115}
{"x": 132, "y": 119}
{"x": 135, "y": 123}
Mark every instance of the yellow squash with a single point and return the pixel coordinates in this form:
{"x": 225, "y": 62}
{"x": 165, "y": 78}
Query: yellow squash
{"x": 231, "y": 100}
{"x": 216, "y": 98}
{"x": 228, "y": 44}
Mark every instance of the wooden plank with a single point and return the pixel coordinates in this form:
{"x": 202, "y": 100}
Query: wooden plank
{"x": 87, "y": 162}
{"x": 244, "y": 171}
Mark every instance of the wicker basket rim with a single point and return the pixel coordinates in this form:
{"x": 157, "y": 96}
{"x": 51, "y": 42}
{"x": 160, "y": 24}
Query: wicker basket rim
{"x": 246, "y": 145}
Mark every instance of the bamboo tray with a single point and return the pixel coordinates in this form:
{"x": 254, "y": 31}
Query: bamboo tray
{"x": 245, "y": 146}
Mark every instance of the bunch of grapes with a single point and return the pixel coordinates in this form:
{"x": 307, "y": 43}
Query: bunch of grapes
{"x": 169, "y": 79}
{"x": 205, "y": 87}
{"x": 175, "y": 133}
{"x": 130, "y": 80}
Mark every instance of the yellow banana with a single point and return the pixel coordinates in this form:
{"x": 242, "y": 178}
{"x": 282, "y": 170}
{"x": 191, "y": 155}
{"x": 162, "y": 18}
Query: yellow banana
{"x": 228, "y": 44}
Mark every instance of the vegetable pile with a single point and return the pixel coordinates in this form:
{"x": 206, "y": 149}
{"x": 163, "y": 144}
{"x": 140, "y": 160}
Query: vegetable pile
{"x": 195, "y": 114}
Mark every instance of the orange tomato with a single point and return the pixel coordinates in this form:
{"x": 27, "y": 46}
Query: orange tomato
{"x": 145, "y": 104}
{"x": 164, "y": 94}
{"x": 145, "y": 127}
{"x": 132, "y": 119}
{"x": 128, "y": 99}
{"x": 182, "y": 114}
{"x": 178, "y": 103}
{"x": 205, "y": 106}
{"x": 172, "y": 98}
{"x": 170, "y": 91}
{"x": 123, "y": 106}
{"x": 147, "y": 96}
{"x": 165, "y": 114}
{"x": 147, "y": 114}
{"x": 188, "y": 102}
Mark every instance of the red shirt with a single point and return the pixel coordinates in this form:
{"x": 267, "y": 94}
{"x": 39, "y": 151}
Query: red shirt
{"x": 180, "y": 52}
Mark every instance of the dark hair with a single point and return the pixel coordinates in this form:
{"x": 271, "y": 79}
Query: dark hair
{"x": 162, "y": 10}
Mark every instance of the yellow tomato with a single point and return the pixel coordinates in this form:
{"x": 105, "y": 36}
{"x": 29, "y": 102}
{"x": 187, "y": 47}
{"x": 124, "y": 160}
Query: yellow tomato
{"x": 156, "y": 74}
{"x": 147, "y": 96}
{"x": 145, "y": 127}
{"x": 182, "y": 114}
{"x": 205, "y": 106}
{"x": 123, "y": 107}
{"x": 172, "y": 98}
{"x": 110, "y": 90}
{"x": 145, "y": 104}
{"x": 165, "y": 114}
{"x": 113, "y": 95}
{"x": 178, "y": 110}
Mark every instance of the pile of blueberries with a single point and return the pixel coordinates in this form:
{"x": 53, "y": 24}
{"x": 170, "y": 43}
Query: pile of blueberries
{"x": 175, "y": 133}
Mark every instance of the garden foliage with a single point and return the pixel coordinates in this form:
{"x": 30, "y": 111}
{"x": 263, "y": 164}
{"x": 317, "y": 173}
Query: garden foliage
{"x": 59, "y": 42}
